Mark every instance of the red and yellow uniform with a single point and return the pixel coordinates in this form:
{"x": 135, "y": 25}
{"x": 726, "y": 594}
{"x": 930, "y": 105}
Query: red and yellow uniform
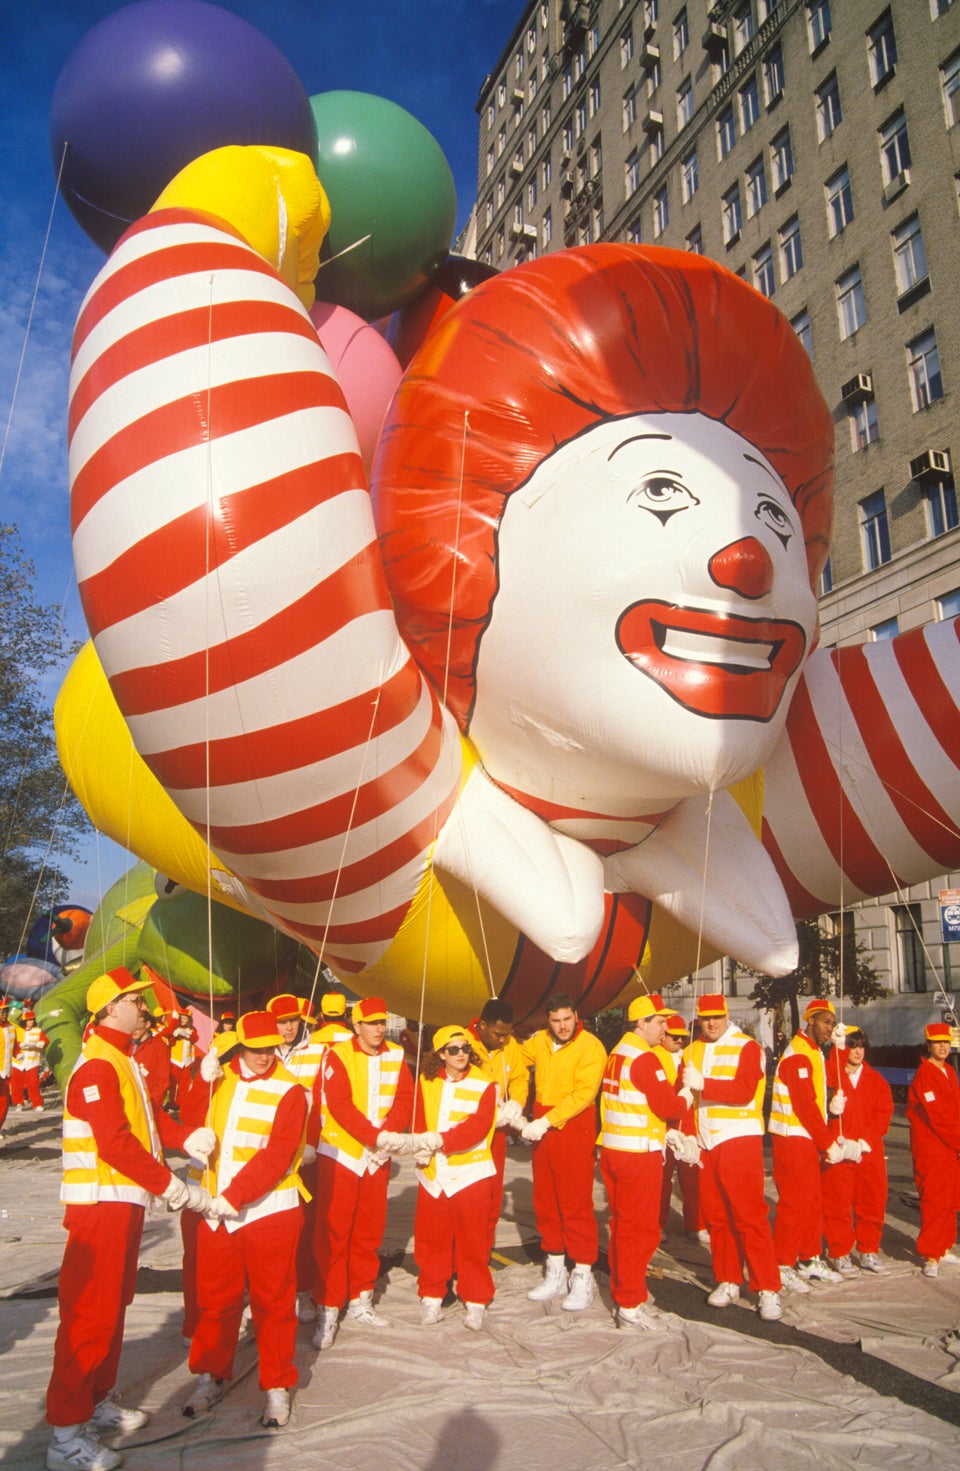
{"x": 933, "y": 1110}
{"x": 688, "y": 1176}
{"x": 798, "y": 1126}
{"x": 507, "y": 1067}
{"x": 8, "y": 1042}
{"x": 152, "y": 1056}
{"x": 567, "y": 1078}
{"x": 855, "y": 1195}
{"x": 27, "y": 1058}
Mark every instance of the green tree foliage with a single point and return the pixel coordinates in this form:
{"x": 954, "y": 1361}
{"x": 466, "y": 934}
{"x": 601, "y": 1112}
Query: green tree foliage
{"x": 830, "y": 963}
{"x": 39, "y": 816}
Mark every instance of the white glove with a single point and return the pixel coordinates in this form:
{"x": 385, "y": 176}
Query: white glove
{"x": 864, "y": 1146}
{"x": 837, "y": 1103}
{"x": 691, "y": 1151}
{"x": 510, "y": 1113}
{"x": 200, "y": 1144}
{"x": 423, "y": 1158}
{"x": 379, "y": 1157}
{"x": 835, "y": 1153}
{"x": 839, "y": 1035}
{"x": 176, "y": 1194}
{"x": 220, "y": 1209}
{"x": 391, "y": 1143}
{"x": 211, "y": 1068}
{"x": 430, "y": 1142}
{"x": 309, "y": 1154}
{"x": 852, "y": 1150}
{"x": 692, "y": 1078}
{"x": 686, "y": 1097}
{"x": 674, "y": 1142}
{"x": 198, "y": 1199}
{"x": 535, "y": 1129}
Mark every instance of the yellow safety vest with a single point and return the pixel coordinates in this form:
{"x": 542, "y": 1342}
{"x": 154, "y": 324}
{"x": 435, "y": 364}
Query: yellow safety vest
{"x": 304, "y": 1062}
{"x": 88, "y": 1179}
{"x": 783, "y": 1120}
{"x": 241, "y": 1114}
{"x": 627, "y": 1121}
{"x": 719, "y": 1121}
{"x": 447, "y": 1102}
{"x": 373, "y": 1086}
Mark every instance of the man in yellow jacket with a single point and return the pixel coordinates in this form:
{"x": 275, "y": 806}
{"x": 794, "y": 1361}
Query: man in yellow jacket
{"x": 502, "y": 1061}
{"x": 568, "y": 1065}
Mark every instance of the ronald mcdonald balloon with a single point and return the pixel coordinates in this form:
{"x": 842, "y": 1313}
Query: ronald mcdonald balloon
{"x": 542, "y": 707}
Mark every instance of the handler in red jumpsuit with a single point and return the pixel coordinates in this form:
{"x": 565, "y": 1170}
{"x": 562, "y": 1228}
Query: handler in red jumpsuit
{"x": 151, "y": 1052}
{"x": 112, "y": 1166}
{"x": 8, "y": 1041}
{"x": 27, "y": 1057}
{"x": 933, "y": 1109}
{"x": 670, "y": 1052}
{"x": 367, "y": 1101}
{"x": 855, "y": 1193}
{"x": 455, "y": 1115}
{"x": 258, "y": 1112}
{"x": 636, "y": 1104}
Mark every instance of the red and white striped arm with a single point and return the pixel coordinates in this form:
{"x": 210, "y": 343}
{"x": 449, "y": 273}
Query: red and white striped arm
{"x": 862, "y": 795}
{"x": 230, "y": 574}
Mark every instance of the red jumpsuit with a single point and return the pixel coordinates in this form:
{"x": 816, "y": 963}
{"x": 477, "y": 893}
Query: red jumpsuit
{"x": 933, "y": 1109}
{"x": 451, "y": 1231}
{"x": 688, "y": 1176}
{"x": 633, "y": 1181}
{"x": 258, "y": 1254}
{"x": 352, "y": 1207}
{"x": 8, "y": 1041}
{"x": 152, "y": 1057}
{"x": 855, "y": 1195}
{"x": 99, "y": 1270}
{"x": 25, "y": 1076}
{"x": 798, "y": 1224}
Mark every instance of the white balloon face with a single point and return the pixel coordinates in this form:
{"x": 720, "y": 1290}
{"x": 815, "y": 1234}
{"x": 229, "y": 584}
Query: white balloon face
{"x": 652, "y": 617}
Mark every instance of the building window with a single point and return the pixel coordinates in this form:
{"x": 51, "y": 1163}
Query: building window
{"x": 499, "y": 244}
{"x": 654, "y": 76}
{"x": 874, "y": 533}
{"x": 501, "y": 92}
{"x": 684, "y": 103}
{"x": 907, "y": 921}
{"x": 489, "y": 162}
{"x": 801, "y": 325}
{"x": 819, "y": 23}
{"x": 864, "y": 425}
{"x": 488, "y": 213}
{"x": 532, "y": 86}
{"x": 580, "y": 119}
{"x": 651, "y": 12}
{"x": 546, "y": 171}
{"x": 501, "y": 193}
{"x": 949, "y": 605}
{"x": 593, "y": 40}
{"x": 756, "y": 187}
{"x": 909, "y": 257}
{"x": 938, "y": 8}
{"x": 681, "y": 34}
{"x": 532, "y": 193}
{"x": 632, "y": 169}
{"x": 781, "y": 160}
{"x": 596, "y": 157}
{"x": 568, "y": 137}
{"x": 726, "y": 132}
{"x": 851, "y": 306}
{"x": 923, "y": 362}
{"x": 629, "y": 109}
{"x": 749, "y": 104}
{"x": 594, "y": 96}
{"x": 791, "y": 249}
{"x": 626, "y": 46}
{"x": 773, "y": 76}
{"x": 634, "y": 233}
{"x": 941, "y": 501}
{"x": 501, "y": 142}
{"x": 567, "y": 81}
{"x": 656, "y": 146}
{"x": 950, "y": 82}
{"x": 732, "y": 215}
{"x": 689, "y": 176}
{"x": 742, "y": 27}
{"x": 546, "y": 115}
{"x": 694, "y": 241}
{"x": 894, "y": 148}
{"x": 546, "y": 228}
{"x": 829, "y": 111}
{"x": 763, "y": 278}
{"x": 882, "y": 49}
{"x": 661, "y": 212}
{"x": 885, "y": 630}
{"x": 839, "y": 202}
{"x": 825, "y": 583}
{"x": 532, "y": 140}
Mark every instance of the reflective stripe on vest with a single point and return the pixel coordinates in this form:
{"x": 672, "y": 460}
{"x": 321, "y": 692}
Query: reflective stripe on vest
{"x": 719, "y": 1121}
{"x": 241, "y": 1115}
{"x": 373, "y": 1088}
{"x": 303, "y": 1063}
{"x": 627, "y": 1121}
{"x": 88, "y": 1179}
{"x": 447, "y": 1102}
{"x": 783, "y": 1120}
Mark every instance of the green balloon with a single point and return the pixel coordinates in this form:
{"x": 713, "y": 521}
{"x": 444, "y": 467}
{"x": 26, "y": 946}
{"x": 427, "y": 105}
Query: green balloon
{"x": 390, "y": 187}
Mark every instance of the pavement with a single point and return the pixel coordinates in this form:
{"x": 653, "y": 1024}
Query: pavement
{"x": 861, "y": 1374}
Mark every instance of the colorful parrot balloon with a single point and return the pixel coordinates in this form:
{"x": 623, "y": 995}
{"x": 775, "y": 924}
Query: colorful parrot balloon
{"x": 542, "y": 707}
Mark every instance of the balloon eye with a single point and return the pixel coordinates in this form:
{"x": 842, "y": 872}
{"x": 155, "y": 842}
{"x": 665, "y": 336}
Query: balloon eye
{"x": 775, "y": 518}
{"x": 663, "y": 496}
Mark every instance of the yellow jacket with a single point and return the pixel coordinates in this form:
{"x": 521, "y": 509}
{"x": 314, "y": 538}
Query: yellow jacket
{"x": 506, "y": 1066}
{"x": 567, "y": 1078}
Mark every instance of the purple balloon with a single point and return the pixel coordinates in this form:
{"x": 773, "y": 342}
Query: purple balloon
{"x": 152, "y": 87}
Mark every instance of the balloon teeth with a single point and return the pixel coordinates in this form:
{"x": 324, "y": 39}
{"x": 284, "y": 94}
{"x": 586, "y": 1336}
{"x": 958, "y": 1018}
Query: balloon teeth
{"x": 700, "y": 648}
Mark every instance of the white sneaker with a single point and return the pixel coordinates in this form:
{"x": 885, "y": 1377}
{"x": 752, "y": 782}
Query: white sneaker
{"x": 362, "y": 1310}
{"x": 791, "y": 1281}
{"x": 871, "y": 1261}
{"x": 816, "y": 1270}
{"x": 208, "y": 1392}
{"x": 431, "y": 1311}
{"x": 724, "y": 1294}
{"x": 82, "y": 1452}
{"x": 276, "y": 1412}
{"x": 110, "y": 1414}
{"x": 638, "y": 1317}
{"x": 306, "y": 1307}
{"x": 845, "y": 1265}
{"x": 931, "y": 1267}
{"x": 702, "y": 1236}
{"x": 328, "y": 1321}
{"x": 554, "y": 1281}
{"x": 582, "y": 1290}
{"x": 769, "y": 1306}
{"x": 950, "y": 1259}
{"x": 473, "y": 1315}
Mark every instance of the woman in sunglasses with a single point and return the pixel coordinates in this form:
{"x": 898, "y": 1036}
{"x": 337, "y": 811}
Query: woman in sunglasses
{"x": 455, "y": 1118}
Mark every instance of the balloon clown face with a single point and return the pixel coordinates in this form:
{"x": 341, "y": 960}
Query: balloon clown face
{"x": 652, "y": 616}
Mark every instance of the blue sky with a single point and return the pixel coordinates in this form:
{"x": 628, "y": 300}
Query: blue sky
{"x": 430, "y": 56}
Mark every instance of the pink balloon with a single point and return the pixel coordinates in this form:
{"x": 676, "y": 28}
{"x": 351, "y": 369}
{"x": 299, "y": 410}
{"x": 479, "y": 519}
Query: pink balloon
{"x": 366, "y": 366}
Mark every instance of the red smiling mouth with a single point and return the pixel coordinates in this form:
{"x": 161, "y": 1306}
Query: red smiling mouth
{"x": 714, "y": 664}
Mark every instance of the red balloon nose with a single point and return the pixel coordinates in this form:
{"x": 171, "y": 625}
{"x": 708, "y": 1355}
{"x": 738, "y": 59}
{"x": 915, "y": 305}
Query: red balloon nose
{"x": 744, "y": 567}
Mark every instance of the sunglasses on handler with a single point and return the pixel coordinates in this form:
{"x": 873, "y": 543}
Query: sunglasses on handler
{"x": 456, "y": 1049}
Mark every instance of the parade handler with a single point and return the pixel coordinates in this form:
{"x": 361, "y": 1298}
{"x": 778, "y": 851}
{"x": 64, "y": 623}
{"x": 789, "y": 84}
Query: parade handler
{"x": 113, "y": 1167}
{"x": 933, "y": 1109}
{"x": 248, "y": 1242}
{"x": 855, "y": 1194}
{"x": 568, "y": 1065}
{"x": 500, "y": 1058}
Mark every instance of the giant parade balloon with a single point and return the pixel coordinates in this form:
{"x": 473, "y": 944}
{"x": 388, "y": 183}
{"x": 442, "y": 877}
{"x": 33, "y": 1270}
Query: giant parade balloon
{"x": 543, "y": 708}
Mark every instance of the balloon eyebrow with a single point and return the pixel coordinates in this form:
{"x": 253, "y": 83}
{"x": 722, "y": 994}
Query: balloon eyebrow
{"x": 752, "y": 460}
{"x": 634, "y": 439}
